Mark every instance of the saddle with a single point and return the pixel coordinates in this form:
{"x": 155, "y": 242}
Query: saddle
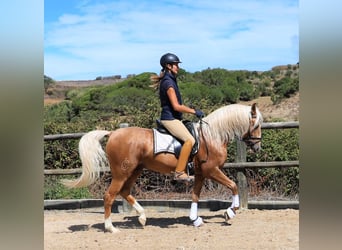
{"x": 165, "y": 142}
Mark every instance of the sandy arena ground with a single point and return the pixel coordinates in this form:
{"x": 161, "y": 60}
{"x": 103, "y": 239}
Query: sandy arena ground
{"x": 250, "y": 229}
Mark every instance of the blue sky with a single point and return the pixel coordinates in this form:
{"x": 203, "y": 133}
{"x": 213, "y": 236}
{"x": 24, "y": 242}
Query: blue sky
{"x": 85, "y": 39}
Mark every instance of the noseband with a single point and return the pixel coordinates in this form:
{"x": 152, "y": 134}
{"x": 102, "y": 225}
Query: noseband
{"x": 251, "y": 140}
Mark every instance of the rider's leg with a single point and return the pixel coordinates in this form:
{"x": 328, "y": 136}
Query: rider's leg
{"x": 177, "y": 129}
{"x": 180, "y": 172}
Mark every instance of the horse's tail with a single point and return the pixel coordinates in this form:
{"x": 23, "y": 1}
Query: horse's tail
{"x": 93, "y": 159}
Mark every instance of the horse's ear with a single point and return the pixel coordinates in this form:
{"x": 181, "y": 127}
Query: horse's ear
{"x": 253, "y": 111}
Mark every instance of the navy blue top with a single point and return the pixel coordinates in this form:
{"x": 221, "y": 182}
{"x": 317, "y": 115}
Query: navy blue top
{"x": 168, "y": 113}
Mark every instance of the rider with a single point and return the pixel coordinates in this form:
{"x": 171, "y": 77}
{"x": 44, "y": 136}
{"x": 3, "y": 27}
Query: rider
{"x": 172, "y": 109}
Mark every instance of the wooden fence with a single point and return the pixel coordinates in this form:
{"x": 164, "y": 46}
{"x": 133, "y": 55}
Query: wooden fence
{"x": 240, "y": 163}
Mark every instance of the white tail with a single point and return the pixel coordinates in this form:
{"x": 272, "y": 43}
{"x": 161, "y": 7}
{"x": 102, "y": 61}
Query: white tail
{"x": 93, "y": 159}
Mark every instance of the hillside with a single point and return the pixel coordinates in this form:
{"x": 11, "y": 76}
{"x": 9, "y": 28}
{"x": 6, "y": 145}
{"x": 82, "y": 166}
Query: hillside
{"x": 287, "y": 110}
{"x": 56, "y": 92}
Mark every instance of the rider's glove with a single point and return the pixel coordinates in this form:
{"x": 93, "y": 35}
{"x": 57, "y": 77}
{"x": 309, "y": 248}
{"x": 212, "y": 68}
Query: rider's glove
{"x": 199, "y": 113}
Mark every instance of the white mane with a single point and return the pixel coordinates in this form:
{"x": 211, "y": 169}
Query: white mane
{"x": 227, "y": 122}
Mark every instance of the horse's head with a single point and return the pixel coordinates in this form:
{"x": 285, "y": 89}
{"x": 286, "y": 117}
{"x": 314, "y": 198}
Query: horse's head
{"x": 252, "y": 137}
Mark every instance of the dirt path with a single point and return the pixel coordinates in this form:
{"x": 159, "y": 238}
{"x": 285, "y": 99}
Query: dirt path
{"x": 250, "y": 229}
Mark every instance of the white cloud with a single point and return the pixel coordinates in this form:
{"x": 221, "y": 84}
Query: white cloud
{"x": 129, "y": 37}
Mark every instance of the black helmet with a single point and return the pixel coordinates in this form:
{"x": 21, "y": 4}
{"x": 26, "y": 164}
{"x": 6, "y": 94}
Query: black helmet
{"x": 168, "y": 58}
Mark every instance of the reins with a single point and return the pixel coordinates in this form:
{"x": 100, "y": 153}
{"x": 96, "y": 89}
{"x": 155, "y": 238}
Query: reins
{"x": 204, "y": 140}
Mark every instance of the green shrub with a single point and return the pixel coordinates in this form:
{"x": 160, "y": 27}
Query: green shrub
{"x": 53, "y": 189}
{"x": 284, "y": 88}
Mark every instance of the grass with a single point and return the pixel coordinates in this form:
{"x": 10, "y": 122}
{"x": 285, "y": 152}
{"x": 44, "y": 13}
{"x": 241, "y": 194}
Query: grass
{"x": 53, "y": 190}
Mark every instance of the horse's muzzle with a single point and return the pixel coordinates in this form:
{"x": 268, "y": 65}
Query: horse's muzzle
{"x": 256, "y": 147}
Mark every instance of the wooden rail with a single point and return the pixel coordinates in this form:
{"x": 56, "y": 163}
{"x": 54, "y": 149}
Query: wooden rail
{"x": 236, "y": 165}
{"x": 240, "y": 163}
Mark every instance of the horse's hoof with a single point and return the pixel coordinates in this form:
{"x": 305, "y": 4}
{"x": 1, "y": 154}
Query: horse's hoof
{"x": 226, "y": 217}
{"x": 112, "y": 230}
{"x": 229, "y": 214}
{"x": 198, "y": 222}
{"x": 142, "y": 220}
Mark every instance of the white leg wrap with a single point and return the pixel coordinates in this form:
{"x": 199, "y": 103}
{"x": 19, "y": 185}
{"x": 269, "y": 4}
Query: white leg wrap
{"x": 108, "y": 223}
{"x": 236, "y": 201}
{"x": 230, "y": 213}
{"x": 193, "y": 211}
{"x": 139, "y": 208}
{"x": 193, "y": 215}
{"x": 109, "y": 226}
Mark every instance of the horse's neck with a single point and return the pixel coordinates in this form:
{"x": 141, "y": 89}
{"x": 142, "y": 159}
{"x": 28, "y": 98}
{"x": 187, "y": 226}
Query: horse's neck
{"x": 224, "y": 130}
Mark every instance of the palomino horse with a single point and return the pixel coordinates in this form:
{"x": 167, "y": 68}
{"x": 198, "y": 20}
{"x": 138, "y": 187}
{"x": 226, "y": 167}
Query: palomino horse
{"x": 130, "y": 150}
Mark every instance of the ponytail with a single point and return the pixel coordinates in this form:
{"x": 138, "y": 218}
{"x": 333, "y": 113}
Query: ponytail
{"x": 155, "y": 79}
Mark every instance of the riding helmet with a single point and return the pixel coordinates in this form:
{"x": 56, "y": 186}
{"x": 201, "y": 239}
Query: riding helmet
{"x": 168, "y": 58}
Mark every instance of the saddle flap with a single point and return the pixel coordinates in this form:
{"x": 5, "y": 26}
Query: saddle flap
{"x": 171, "y": 144}
{"x": 164, "y": 142}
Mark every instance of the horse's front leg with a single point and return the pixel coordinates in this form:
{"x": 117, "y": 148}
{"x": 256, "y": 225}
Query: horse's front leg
{"x": 196, "y": 220}
{"x": 217, "y": 175}
{"x": 231, "y": 211}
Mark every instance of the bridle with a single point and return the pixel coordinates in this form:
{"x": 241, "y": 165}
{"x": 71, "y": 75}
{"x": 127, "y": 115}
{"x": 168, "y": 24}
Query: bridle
{"x": 248, "y": 138}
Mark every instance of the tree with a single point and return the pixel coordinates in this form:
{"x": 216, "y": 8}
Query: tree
{"x": 284, "y": 88}
{"x": 48, "y": 81}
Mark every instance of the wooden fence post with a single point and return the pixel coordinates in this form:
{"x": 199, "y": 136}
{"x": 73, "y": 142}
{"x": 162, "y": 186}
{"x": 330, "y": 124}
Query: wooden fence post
{"x": 126, "y": 207}
{"x": 241, "y": 177}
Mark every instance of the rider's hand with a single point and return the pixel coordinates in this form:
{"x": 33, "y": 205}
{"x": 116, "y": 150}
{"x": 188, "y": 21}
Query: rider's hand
{"x": 199, "y": 113}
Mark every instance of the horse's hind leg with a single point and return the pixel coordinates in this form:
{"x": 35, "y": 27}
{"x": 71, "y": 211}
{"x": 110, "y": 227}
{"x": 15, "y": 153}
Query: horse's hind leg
{"x": 109, "y": 198}
{"x": 125, "y": 193}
